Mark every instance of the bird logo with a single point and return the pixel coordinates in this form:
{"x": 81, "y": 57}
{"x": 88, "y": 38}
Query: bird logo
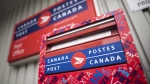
{"x": 44, "y": 19}
{"x": 78, "y": 60}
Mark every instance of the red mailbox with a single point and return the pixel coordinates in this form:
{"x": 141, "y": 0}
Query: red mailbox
{"x": 97, "y": 50}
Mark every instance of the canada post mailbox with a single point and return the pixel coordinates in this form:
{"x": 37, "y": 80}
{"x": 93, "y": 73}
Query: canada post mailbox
{"x": 99, "y": 50}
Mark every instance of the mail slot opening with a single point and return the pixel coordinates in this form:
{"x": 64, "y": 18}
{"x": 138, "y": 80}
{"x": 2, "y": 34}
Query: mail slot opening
{"x": 82, "y": 30}
{"x": 89, "y": 34}
{"x": 82, "y": 39}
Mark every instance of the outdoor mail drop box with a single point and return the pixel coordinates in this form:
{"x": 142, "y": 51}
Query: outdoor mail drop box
{"x": 99, "y": 50}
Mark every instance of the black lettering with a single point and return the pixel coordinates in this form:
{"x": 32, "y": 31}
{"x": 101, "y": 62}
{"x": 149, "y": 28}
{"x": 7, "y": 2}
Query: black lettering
{"x": 132, "y": 51}
{"x": 56, "y": 78}
{"x": 133, "y": 74}
{"x": 41, "y": 79}
{"x": 138, "y": 4}
{"x": 86, "y": 22}
{"x": 128, "y": 81}
{"x": 143, "y": 2}
{"x": 137, "y": 82}
{"x": 80, "y": 76}
{"x": 53, "y": 81}
{"x": 117, "y": 74}
{"x": 121, "y": 79}
{"x": 147, "y": 1}
{"x": 104, "y": 80}
{"x": 141, "y": 66}
{"x": 126, "y": 46}
{"x": 128, "y": 42}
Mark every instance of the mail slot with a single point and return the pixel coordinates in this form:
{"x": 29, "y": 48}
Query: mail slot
{"x": 98, "y": 52}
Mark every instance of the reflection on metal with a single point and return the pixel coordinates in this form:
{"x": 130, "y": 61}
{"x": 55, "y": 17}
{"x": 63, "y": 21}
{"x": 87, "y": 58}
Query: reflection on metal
{"x": 79, "y": 29}
{"x": 82, "y": 40}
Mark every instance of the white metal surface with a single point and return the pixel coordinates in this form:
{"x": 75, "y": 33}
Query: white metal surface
{"x": 139, "y": 23}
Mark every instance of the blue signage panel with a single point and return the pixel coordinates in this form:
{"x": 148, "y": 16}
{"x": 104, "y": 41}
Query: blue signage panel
{"x": 53, "y": 20}
{"x": 59, "y": 12}
{"x": 102, "y": 55}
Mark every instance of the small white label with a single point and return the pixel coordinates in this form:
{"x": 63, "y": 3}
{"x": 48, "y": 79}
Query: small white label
{"x": 136, "y": 5}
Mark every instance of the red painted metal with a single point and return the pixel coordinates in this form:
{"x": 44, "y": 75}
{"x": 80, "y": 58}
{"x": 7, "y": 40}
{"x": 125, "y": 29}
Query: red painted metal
{"x": 117, "y": 74}
{"x": 127, "y": 73}
{"x": 133, "y": 60}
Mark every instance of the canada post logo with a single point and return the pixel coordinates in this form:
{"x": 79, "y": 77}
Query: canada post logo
{"x": 102, "y": 55}
{"x": 50, "y": 16}
{"x": 78, "y": 60}
{"x": 44, "y": 19}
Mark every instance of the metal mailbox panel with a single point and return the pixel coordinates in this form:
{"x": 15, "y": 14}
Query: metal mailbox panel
{"x": 131, "y": 72}
{"x": 117, "y": 74}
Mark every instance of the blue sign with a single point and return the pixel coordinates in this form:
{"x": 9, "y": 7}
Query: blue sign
{"x": 103, "y": 55}
{"x": 50, "y": 16}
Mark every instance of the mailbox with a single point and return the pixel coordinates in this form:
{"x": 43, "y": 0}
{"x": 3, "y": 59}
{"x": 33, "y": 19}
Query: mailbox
{"x": 99, "y": 50}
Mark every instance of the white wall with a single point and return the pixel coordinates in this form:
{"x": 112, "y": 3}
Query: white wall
{"x": 139, "y": 23}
